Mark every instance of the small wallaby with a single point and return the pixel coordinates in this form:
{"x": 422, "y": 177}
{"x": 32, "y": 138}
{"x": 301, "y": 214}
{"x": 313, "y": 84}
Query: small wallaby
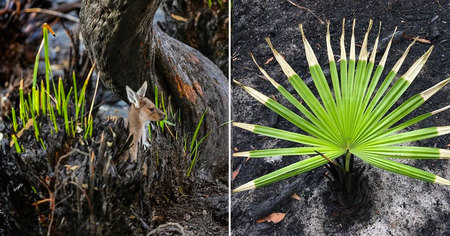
{"x": 141, "y": 111}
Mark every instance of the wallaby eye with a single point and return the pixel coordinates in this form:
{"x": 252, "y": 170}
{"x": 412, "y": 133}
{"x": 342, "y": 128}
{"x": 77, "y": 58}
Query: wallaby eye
{"x": 152, "y": 108}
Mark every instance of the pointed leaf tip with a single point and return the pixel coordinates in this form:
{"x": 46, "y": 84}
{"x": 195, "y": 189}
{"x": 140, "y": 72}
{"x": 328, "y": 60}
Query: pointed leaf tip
{"x": 375, "y": 45}
{"x": 287, "y": 69}
{"x": 414, "y": 70}
{"x": 248, "y": 186}
{"x": 352, "y": 42}
{"x": 444, "y": 154}
{"x": 241, "y": 154}
{"x": 363, "y": 55}
{"x": 342, "y": 42}
{"x": 386, "y": 52}
{"x": 328, "y": 39}
{"x": 310, "y": 56}
{"x": 440, "y": 110}
{"x": 443, "y": 130}
{"x": 431, "y": 91}
{"x": 245, "y": 126}
{"x": 266, "y": 76}
{"x": 440, "y": 180}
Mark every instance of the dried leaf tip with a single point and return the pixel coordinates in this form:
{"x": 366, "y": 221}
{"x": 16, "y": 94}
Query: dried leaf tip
{"x": 248, "y": 186}
{"x": 328, "y": 38}
{"x": 400, "y": 61}
{"x": 241, "y": 154}
{"x": 431, "y": 91}
{"x": 287, "y": 69}
{"x": 440, "y": 110}
{"x": 342, "y": 42}
{"x": 444, "y": 154}
{"x": 440, "y": 180}
{"x": 45, "y": 25}
{"x": 310, "y": 56}
{"x": 266, "y": 76}
{"x": 352, "y": 42}
{"x": 237, "y": 82}
{"x": 363, "y": 54}
{"x": 375, "y": 45}
{"x": 414, "y": 70}
{"x": 245, "y": 126}
{"x": 386, "y": 52}
{"x": 443, "y": 130}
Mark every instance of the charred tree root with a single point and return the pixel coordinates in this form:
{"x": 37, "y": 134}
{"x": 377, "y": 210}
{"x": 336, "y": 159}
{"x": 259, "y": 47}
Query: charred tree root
{"x": 349, "y": 191}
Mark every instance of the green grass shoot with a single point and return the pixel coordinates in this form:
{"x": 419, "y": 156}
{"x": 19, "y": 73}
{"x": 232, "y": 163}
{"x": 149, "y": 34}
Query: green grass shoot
{"x": 40, "y": 100}
{"x": 194, "y": 147}
{"x": 194, "y": 137}
{"x": 14, "y": 119}
{"x": 16, "y": 144}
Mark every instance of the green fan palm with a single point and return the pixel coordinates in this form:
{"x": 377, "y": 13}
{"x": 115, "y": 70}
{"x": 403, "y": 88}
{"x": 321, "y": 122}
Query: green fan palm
{"x": 354, "y": 120}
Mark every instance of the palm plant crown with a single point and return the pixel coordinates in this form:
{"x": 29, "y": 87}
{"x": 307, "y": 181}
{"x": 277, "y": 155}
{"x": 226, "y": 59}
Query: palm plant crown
{"x": 356, "y": 119}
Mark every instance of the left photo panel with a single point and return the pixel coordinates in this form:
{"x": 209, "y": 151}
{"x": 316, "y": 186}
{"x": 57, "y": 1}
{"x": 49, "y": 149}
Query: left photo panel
{"x": 114, "y": 117}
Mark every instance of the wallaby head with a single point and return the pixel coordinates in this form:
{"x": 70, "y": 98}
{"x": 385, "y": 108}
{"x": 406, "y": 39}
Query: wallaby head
{"x": 147, "y": 111}
{"x": 141, "y": 111}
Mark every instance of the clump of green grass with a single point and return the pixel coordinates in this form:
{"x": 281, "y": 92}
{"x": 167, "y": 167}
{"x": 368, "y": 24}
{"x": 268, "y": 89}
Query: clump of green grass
{"x": 167, "y": 109}
{"x": 195, "y": 144}
{"x": 194, "y": 147}
{"x": 42, "y": 101}
{"x": 353, "y": 118}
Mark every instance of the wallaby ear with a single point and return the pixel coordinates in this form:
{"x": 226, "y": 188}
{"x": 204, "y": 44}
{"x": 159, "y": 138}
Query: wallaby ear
{"x": 132, "y": 97}
{"x": 142, "y": 90}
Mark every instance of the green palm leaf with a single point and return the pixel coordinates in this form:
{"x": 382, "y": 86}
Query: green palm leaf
{"x": 353, "y": 117}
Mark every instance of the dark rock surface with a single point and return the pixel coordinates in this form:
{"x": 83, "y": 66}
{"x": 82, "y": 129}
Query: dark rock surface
{"x": 398, "y": 205}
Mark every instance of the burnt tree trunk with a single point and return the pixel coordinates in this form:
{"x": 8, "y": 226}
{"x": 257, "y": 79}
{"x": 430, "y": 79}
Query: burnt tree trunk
{"x": 128, "y": 50}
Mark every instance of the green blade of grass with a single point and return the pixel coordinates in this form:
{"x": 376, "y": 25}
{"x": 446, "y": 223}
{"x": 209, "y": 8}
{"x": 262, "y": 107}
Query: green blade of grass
{"x": 35, "y": 125}
{"x": 14, "y": 119}
{"x": 81, "y": 100}
{"x": 194, "y": 137}
{"x": 21, "y": 102}
{"x": 75, "y": 93}
{"x": 16, "y": 144}
{"x": 196, "y": 151}
{"x": 43, "y": 99}
{"x": 66, "y": 111}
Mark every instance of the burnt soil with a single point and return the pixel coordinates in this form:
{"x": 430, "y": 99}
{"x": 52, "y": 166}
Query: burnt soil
{"x": 397, "y": 205}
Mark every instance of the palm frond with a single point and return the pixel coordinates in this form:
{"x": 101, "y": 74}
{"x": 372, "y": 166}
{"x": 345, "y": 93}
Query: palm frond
{"x": 353, "y": 117}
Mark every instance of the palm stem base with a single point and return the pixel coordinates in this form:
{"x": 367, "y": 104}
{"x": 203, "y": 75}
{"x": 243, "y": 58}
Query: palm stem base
{"x": 348, "y": 186}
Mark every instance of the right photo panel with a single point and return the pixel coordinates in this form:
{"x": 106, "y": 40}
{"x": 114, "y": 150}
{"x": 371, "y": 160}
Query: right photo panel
{"x": 339, "y": 117}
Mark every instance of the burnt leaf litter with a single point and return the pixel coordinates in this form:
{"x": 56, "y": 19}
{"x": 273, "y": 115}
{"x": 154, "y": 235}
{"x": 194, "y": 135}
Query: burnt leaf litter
{"x": 88, "y": 186}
